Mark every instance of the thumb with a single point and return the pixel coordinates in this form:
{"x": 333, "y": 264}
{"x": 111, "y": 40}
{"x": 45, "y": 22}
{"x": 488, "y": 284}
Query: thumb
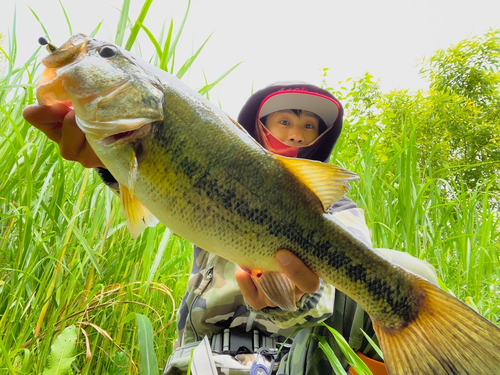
{"x": 304, "y": 278}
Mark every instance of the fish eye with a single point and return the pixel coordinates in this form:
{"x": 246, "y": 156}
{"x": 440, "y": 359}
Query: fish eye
{"x": 107, "y": 52}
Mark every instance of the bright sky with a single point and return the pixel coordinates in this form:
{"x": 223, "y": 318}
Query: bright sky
{"x": 276, "y": 39}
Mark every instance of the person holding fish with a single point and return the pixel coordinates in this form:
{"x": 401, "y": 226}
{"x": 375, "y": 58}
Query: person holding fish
{"x": 291, "y": 119}
{"x": 252, "y": 200}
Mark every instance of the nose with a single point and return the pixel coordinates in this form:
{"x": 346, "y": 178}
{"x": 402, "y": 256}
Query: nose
{"x": 295, "y": 137}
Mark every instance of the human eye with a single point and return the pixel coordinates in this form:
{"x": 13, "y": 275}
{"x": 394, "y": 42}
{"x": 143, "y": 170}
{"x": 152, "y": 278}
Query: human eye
{"x": 309, "y": 126}
{"x": 284, "y": 122}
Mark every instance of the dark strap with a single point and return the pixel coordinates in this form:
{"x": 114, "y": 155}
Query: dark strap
{"x": 234, "y": 341}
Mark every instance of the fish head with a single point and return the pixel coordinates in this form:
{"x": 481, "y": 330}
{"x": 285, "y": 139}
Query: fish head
{"x": 112, "y": 94}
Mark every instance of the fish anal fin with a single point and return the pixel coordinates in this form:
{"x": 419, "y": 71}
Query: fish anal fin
{"x": 277, "y": 287}
{"x": 447, "y": 337}
{"x": 138, "y": 217}
{"x": 329, "y": 182}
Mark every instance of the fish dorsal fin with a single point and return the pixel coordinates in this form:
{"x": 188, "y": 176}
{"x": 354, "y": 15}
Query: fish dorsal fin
{"x": 138, "y": 217}
{"x": 329, "y": 182}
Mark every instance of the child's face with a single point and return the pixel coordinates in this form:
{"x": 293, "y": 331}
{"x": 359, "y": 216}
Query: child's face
{"x": 291, "y": 129}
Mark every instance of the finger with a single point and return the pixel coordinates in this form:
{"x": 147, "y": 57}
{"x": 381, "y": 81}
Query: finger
{"x": 250, "y": 292}
{"x": 72, "y": 139}
{"x": 46, "y": 114}
{"x": 88, "y": 157}
{"x": 248, "y": 288}
{"x": 47, "y": 119}
{"x": 73, "y": 144}
{"x": 305, "y": 279}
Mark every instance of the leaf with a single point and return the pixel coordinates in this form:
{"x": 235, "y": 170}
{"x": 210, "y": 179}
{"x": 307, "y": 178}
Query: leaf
{"x": 330, "y": 354}
{"x": 374, "y": 346}
{"x": 122, "y": 23}
{"x": 40, "y": 22}
{"x": 171, "y": 49}
{"x": 191, "y": 60}
{"x": 120, "y": 363}
{"x": 153, "y": 40}
{"x": 62, "y": 352}
{"x": 205, "y": 89}
{"x": 137, "y": 25}
{"x": 67, "y": 18}
{"x": 149, "y": 364}
{"x": 351, "y": 357}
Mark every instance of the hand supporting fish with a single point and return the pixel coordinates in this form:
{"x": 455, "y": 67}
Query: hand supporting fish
{"x": 178, "y": 156}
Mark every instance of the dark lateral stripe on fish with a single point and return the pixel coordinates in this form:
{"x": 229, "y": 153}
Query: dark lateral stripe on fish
{"x": 229, "y": 199}
{"x": 339, "y": 260}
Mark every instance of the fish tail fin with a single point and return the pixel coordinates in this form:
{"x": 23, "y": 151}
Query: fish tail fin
{"x": 447, "y": 337}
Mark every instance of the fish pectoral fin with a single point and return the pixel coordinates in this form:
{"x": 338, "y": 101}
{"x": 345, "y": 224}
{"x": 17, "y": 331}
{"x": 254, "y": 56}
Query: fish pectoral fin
{"x": 277, "y": 287}
{"x": 329, "y": 182}
{"x": 138, "y": 217}
{"x": 446, "y": 337}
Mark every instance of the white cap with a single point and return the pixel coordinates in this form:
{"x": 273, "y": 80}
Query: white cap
{"x": 323, "y": 106}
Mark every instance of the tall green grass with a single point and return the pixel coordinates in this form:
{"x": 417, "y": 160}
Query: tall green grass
{"x": 66, "y": 257}
{"x": 408, "y": 209}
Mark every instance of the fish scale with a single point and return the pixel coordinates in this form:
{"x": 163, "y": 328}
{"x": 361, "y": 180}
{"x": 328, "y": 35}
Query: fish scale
{"x": 205, "y": 178}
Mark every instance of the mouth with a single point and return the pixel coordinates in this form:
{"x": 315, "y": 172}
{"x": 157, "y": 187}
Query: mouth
{"x": 128, "y": 136}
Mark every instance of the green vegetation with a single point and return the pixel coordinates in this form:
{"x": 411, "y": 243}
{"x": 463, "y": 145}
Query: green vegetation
{"x": 429, "y": 164}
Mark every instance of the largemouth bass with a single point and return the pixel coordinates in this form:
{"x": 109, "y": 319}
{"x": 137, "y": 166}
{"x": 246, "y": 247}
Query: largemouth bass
{"x": 180, "y": 158}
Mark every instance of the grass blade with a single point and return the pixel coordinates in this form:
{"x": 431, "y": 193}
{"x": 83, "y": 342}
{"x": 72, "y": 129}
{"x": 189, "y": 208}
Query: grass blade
{"x": 205, "y": 89}
{"x": 63, "y": 252}
{"x": 332, "y": 358}
{"x": 172, "y": 48}
{"x": 40, "y": 22}
{"x": 149, "y": 364}
{"x": 184, "y": 68}
{"x": 374, "y": 346}
{"x": 70, "y": 29}
{"x": 166, "y": 48}
{"x": 96, "y": 29}
{"x": 6, "y": 357}
{"x": 137, "y": 26}
{"x": 122, "y": 22}
{"x": 153, "y": 40}
{"x": 351, "y": 357}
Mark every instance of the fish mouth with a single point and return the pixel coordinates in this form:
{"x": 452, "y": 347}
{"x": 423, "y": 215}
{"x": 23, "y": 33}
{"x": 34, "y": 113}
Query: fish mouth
{"x": 128, "y": 136}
